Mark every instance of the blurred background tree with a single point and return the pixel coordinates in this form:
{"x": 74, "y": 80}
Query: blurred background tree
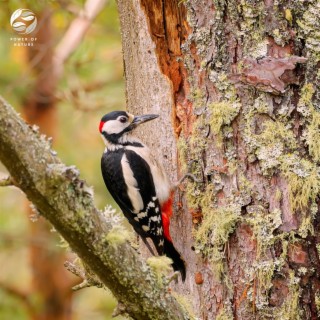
{"x": 68, "y": 109}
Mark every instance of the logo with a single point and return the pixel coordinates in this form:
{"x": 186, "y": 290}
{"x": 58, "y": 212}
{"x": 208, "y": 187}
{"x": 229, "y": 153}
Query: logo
{"x": 23, "y": 21}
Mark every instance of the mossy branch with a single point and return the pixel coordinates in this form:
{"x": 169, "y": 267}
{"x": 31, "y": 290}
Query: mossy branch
{"x": 65, "y": 200}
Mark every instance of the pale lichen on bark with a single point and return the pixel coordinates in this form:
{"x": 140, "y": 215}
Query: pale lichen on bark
{"x": 260, "y": 158}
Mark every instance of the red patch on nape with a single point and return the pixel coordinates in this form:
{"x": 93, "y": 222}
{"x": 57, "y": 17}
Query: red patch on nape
{"x": 101, "y": 125}
{"x": 166, "y": 213}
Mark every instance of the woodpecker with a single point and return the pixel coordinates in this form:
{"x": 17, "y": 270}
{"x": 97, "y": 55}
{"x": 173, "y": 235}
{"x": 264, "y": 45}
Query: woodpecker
{"x": 138, "y": 183}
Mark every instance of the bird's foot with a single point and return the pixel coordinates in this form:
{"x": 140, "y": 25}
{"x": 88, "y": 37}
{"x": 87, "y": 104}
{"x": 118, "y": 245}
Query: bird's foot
{"x": 173, "y": 277}
{"x": 187, "y": 175}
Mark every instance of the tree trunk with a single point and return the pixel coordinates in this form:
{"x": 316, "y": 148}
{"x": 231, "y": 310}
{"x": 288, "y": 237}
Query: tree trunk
{"x": 236, "y": 86}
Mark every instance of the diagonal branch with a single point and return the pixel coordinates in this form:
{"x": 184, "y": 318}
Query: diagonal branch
{"x": 76, "y": 32}
{"x": 65, "y": 200}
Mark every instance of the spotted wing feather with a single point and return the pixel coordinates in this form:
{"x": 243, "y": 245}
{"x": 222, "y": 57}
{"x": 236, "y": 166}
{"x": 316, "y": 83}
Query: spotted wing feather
{"x": 147, "y": 221}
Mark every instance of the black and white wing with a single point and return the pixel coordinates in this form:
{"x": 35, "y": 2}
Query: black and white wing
{"x": 129, "y": 180}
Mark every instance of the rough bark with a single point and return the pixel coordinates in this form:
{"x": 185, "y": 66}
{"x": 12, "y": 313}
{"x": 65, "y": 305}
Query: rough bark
{"x": 66, "y": 201}
{"x": 236, "y": 84}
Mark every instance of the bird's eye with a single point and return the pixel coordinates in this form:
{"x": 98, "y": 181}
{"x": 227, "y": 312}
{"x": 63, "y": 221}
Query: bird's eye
{"x": 123, "y": 119}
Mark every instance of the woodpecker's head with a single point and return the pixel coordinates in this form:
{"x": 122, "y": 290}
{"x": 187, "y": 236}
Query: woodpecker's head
{"x": 114, "y": 125}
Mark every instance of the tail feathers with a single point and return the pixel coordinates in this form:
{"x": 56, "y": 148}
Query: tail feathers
{"x": 178, "y": 264}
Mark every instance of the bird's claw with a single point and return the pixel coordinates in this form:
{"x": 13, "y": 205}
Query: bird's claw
{"x": 174, "y": 277}
{"x": 187, "y": 175}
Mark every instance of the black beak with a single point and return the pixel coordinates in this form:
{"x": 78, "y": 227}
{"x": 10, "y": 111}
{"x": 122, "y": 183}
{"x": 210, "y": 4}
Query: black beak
{"x": 141, "y": 119}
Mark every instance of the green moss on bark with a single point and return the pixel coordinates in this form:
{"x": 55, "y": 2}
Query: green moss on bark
{"x": 309, "y": 26}
{"x": 222, "y": 113}
{"x": 161, "y": 267}
{"x": 290, "y": 308}
{"x": 213, "y": 233}
{"x": 269, "y": 128}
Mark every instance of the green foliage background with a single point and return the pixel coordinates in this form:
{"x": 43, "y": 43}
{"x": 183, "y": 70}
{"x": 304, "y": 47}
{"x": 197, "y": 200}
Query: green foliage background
{"x": 97, "y": 59}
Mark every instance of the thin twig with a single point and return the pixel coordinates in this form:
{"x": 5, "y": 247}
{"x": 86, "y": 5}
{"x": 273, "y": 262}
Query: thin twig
{"x": 89, "y": 280}
{"x": 76, "y": 270}
{"x": 77, "y": 29}
{"x": 119, "y": 310}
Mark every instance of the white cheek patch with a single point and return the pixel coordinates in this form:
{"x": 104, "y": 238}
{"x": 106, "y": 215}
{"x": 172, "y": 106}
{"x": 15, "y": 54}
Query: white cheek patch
{"x": 113, "y": 126}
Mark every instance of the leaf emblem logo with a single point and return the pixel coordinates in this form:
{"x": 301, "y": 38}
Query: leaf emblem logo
{"x": 23, "y": 21}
